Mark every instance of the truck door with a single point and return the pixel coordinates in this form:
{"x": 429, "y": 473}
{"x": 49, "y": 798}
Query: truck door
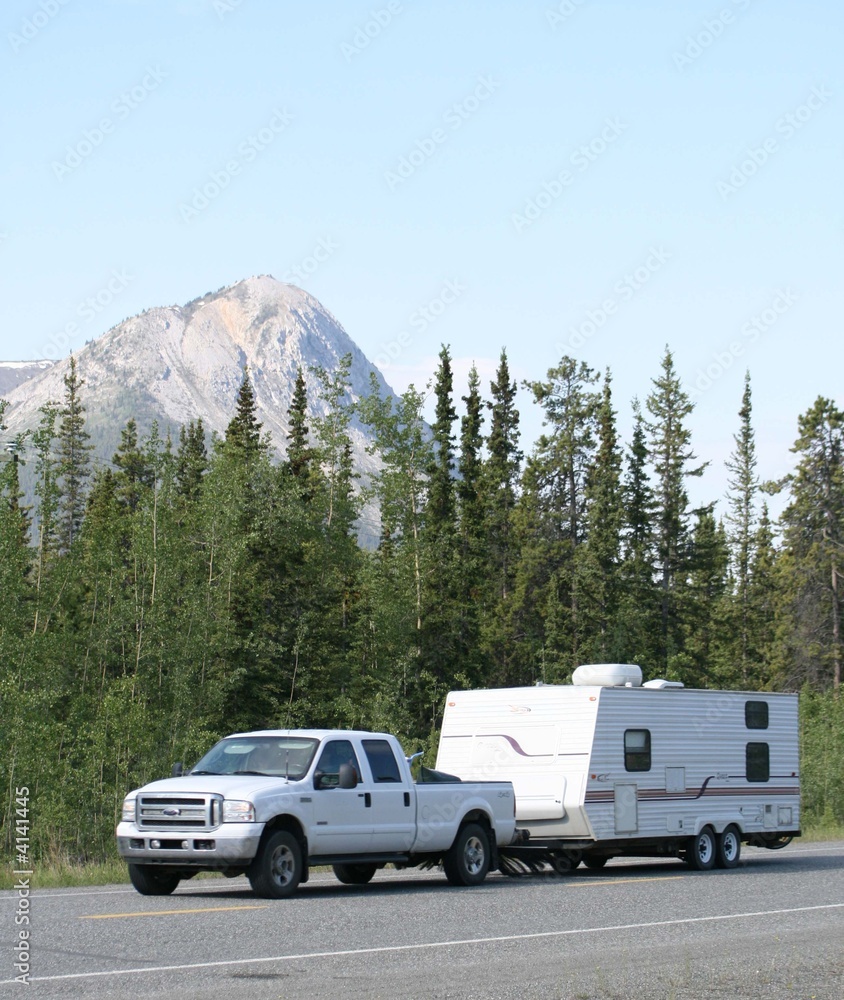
{"x": 393, "y": 812}
{"x": 342, "y": 816}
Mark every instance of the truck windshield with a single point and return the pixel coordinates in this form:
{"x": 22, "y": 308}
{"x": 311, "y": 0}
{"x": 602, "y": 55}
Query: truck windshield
{"x": 276, "y": 756}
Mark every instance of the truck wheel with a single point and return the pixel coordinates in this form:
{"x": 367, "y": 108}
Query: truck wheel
{"x": 354, "y": 874}
{"x": 467, "y": 860}
{"x": 729, "y": 847}
{"x": 700, "y": 854}
{"x": 277, "y": 869}
{"x": 150, "y": 880}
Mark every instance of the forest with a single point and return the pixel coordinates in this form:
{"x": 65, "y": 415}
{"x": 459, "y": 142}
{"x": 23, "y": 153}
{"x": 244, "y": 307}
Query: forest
{"x": 196, "y": 587}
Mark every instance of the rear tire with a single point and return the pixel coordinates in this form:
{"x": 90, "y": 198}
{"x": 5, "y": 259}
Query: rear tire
{"x": 277, "y": 869}
{"x": 467, "y": 860}
{"x": 149, "y": 880}
{"x": 358, "y": 874}
{"x": 729, "y": 847}
{"x": 595, "y": 862}
{"x": 700, "y": 854}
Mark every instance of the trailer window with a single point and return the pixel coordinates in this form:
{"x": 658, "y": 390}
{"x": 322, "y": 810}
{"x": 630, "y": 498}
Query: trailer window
{"x": 637, "y": 750}
{"x": 381, "y": 760}
{"x": 757, "y": 762}
{"x": 756, "y": 714}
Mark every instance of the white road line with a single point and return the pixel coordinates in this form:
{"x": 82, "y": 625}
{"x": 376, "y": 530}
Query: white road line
{"x": 433, "y": 944}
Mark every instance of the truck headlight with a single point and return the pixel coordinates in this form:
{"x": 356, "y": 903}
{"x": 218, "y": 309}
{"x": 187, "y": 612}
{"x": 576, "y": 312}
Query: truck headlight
{"x": 128, "y": 813}
{"x": 238, "y": 812}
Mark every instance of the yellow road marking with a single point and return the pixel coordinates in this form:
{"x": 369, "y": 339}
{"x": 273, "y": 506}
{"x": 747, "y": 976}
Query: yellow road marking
{"x": 620, "y": 881}
{"x": 170, "y": 913}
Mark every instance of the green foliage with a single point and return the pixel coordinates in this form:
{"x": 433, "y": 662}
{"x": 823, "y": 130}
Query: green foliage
{"x": 178, "y": 595}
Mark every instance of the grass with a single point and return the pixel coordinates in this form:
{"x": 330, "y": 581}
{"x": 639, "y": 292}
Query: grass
{"x": 61, "y": 873}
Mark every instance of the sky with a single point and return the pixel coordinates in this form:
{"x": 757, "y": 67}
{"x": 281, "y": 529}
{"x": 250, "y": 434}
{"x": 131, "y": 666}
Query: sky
{"x": 592, "y": 178}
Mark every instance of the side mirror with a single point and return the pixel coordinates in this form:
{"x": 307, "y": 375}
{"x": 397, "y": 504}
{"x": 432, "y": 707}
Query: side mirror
{"x": 348, "y": 776}
{"x": 178, "y": 770}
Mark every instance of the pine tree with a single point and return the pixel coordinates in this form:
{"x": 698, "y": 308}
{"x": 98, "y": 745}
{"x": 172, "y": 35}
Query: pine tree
{"x": 814, "y": 535}
{"x": 440, "y": 510}
{"x": 743, "y": 486}
{"x": 598, "y": 560}
{"x": 639, "y": 614}
{"x": 134, "y": 473}
{"x": 298, "y": 452}
{"x": 191, "y": 460}
{"x": 243, "y": 434}
{"x": 501, "y": 477}
{"x": 669, "y": 407}
{"x": 74, "y": 459}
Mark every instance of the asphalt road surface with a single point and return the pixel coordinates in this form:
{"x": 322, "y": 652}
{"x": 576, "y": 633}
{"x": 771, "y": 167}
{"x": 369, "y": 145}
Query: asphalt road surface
{"x": 773, "y": 927}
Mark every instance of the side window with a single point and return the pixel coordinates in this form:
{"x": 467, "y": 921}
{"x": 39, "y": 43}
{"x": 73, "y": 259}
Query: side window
{"x": 382, "y": 760}
{"x": 756, "y": 714}
{"x": 334, "y": 754}
{"x": 757, "y": 762}
{"x": 637, "y": 749}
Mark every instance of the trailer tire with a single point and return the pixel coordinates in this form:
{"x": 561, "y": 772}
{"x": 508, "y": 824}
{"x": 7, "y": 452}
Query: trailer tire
{"x": 356, "y": 874}
{"x": 467, "y": 860}
{"x": 728, "y": 850}
{"x": 150, "y": 880}
{"x": 277, "y": 869}
{"x": 700, "y": 853}
{"x": 595, "y": 862}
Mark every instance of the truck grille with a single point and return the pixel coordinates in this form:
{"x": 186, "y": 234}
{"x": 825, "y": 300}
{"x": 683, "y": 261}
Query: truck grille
{"x": 172, "y": 812}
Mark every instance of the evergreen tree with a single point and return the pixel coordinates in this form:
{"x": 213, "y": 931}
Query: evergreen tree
{"x": 741, "y": 517}
{"x": 669, "y": 407}
{"x": 598, "y": 560}
{"x": 191, "y": 460}
{"x": 298, "y": 452}
{"x": 243, "y": 434}
{"x": 814, "y": 535}
{"x": 639, "y": 614}
{"x": 74, "y": 458}
{"x": 134, "y": 473}
{"x": 501, "y": 477}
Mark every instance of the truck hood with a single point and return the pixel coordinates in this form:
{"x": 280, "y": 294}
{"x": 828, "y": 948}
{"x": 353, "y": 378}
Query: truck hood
{"x": 230, "y": 786}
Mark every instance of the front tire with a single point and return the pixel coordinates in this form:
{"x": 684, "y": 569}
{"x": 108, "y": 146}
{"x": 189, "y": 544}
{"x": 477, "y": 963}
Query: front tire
{"x": 358, "y": 874}
{"x": 700, "y": 853}
{"x": 151, "y": 881}
{"x": 729, "y": 847}
{"x": 467, "y": 860}
{"x": 277, "y": 869}
{"x": 595, "y": 861}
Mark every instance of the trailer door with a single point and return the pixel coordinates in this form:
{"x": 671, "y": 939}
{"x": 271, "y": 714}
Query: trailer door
{"x": 626, "y": 807}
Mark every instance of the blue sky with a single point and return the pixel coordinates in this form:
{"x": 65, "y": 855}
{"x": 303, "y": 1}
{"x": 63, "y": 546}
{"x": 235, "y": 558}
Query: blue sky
{"x": 594, "y": 178}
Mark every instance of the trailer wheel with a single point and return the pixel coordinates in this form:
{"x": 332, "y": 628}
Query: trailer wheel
{"x": 700, "y": 854}
{"x": 467, "y": 860}
{"x": 595, "y": 861}
{"x": 150, "y": 880}
{"x": 354, "y": 874}
{"x": 277, "y": 869}
{"x": 729, "y": 847}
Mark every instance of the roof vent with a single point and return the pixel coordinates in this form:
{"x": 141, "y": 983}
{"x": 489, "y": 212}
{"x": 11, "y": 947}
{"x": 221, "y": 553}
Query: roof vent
{"x": 659, "y": 683}
{"x": 608, "y": 675}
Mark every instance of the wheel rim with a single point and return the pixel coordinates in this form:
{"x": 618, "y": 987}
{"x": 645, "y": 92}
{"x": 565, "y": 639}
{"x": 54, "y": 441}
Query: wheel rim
{"x": 730, "y": 847}
{"x": 283, "y": 865}
{"x": 474, "y": 855}
{"x": 705, "y": 847}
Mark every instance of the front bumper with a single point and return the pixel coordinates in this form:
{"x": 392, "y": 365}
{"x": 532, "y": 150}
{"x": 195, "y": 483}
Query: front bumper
{"x": 230, "y": 845}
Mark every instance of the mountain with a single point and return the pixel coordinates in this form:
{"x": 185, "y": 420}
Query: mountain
{"x": 174, "y": 364}
{"x": 14, "y": 373}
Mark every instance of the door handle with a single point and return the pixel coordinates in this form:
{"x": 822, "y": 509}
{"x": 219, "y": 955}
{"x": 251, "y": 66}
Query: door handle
{"x": 367, "y": 798}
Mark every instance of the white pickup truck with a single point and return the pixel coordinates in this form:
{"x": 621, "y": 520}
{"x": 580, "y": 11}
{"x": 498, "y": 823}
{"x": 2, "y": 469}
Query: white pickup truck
{"x": 273, "y": 803}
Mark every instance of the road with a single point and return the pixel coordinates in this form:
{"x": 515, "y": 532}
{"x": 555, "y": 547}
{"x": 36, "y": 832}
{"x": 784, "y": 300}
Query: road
{"x": 773, "y": 927}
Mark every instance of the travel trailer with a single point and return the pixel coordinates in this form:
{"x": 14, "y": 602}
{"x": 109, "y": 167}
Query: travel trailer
{"x": 608, "y": 766}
